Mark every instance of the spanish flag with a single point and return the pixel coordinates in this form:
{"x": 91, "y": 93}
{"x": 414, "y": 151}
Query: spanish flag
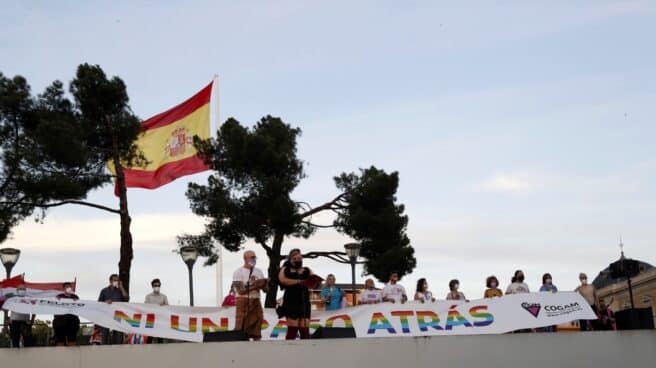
{"x": 166, "y": 140}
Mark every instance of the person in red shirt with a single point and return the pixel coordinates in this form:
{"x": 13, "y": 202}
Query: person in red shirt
{"x": 66, "y": 326}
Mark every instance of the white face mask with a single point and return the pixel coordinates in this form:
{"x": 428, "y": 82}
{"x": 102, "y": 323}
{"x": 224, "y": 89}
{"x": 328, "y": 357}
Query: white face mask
{"x": 584, "y": 281}
{"x": 156, "y": 289}
{"x": 68, "y": 290}
{"x": 115, "y": 283}
{"x": 548, "y": 281}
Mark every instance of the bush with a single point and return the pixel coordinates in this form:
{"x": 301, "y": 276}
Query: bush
{"x": 5, "y": 340}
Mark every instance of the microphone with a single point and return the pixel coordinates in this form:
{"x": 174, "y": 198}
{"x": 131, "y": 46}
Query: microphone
{"x": 250, "y": 273}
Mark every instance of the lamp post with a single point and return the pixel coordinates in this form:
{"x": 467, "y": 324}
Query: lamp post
{"x": 8, "y": 257}
{"x": 349, "y": 257}
{"x": 189, "y": 255}
{"x": 352, "y": 251}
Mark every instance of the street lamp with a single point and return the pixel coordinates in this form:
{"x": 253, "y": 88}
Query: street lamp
{"x": 349, "y": 257}
{"x": 189, "y": 255}
{"x": 352, "y": 251}
{"x": 8, "y": 257}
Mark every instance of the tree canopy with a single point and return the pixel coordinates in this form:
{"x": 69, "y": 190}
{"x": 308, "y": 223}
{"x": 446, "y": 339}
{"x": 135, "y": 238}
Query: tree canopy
{"x": 250, "y": 197}
{"x": 374, "y": 219}
{"x": 54, "y": 149}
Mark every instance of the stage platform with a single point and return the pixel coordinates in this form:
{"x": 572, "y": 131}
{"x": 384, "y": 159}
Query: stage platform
{"x": 624, "y": 349}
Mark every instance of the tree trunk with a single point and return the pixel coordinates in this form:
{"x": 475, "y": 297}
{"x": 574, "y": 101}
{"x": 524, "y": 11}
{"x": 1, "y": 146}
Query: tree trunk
{"x": 125, "y": 261}
{"x": 274, "y": 268}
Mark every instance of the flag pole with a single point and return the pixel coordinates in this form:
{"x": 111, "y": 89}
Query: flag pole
{"x": 219, "y": 261}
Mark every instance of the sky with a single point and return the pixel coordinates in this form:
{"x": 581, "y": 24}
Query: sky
{"x": 522, "y": 132}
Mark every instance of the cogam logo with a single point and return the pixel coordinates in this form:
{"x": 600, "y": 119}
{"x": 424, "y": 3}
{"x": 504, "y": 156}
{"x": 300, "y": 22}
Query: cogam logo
{"x": 533, "y": 308}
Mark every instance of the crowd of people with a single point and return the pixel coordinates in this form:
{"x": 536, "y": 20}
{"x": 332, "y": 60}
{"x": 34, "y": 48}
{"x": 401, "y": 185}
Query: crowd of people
{"x": 67, "y": 326}
{"x": 295, "y": 280}
{"x": 248, "y": 282}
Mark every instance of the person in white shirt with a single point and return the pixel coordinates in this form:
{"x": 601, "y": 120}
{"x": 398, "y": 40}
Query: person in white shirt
{"x": 156, "y": 298}
{"x": 393, "y": 292}
{"x": 517, "y": 285}
{"x": 21, "y": 323}
{"x": 370, "y": 295}
{"x": 248, "y": 280}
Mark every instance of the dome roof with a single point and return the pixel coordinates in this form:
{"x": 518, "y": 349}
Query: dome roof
{"x": 604, "y": 277}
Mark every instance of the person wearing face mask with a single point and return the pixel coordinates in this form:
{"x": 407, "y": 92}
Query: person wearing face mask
{"x": 21, "y": 323}
{"x": 331, "y": 295}
{"x": 66, "y": 326}
{"x": 248, "y": 280}
{"x": 547, "y": 287}
{"x": 422, "y": 293}
{"x": 590, "y": 295}
{"x": 517, "y": 285}
{"x": 296, "y": 300}
{"x": 454, "y": 294}
{"x": 157, "y": 298}
{"x": 492, "y": 290}
{"x": 547, "y": 284}
{"x": 115, "y": 292}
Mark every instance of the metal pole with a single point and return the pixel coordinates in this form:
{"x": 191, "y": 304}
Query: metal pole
{"x": 353, "y": 280}
{"x": 191, "y": 285}
{"x": 631, "y": 293}
{"x": 5, "y": 322}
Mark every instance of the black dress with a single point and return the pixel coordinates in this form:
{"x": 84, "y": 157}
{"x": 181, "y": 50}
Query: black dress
{"x": 296, "y": 301}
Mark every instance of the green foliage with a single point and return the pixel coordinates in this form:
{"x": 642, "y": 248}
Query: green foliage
{"x": 5, "y": 340}
{"x": 374, "y": 219}
{"x": 250, "y": 195}
{"x": 107, "y": 121}
{"x": 53, "y": 148}
{"x": 16, "y": 110}
{"x": 42, "y": 333}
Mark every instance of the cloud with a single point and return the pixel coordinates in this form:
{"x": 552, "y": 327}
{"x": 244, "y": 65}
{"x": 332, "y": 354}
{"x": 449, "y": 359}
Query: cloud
{"x": 508, "y": 183}
{"x": 74, "y": 233}
{"x": 632, "y": 179}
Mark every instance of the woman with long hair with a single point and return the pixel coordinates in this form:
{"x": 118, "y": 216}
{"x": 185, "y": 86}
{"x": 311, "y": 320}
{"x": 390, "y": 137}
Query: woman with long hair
{"x": 517, "y": 284}
{"x": 422, "y": 293}
{"x": 296, "y": 300}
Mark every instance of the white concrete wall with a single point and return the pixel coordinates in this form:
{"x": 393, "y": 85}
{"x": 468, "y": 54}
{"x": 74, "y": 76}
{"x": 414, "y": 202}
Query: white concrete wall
{"x": 596, "y": 349}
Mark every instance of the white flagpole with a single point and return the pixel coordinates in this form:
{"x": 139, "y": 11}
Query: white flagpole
{"x": 219, "y": 252}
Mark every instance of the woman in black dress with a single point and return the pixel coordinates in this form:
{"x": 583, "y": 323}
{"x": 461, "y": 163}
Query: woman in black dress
{"x": 296, "y": 301}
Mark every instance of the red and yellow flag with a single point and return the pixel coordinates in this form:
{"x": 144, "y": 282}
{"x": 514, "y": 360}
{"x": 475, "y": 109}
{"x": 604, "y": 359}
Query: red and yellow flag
{"x": 167, "y": 142}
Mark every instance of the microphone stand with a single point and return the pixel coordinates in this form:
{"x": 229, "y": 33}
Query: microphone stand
{"x": 248, "y": 301}
{"x": 305, "y": 321}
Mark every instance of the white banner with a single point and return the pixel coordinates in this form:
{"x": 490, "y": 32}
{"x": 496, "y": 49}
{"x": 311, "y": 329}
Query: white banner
{"x": 483, "y": 316}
